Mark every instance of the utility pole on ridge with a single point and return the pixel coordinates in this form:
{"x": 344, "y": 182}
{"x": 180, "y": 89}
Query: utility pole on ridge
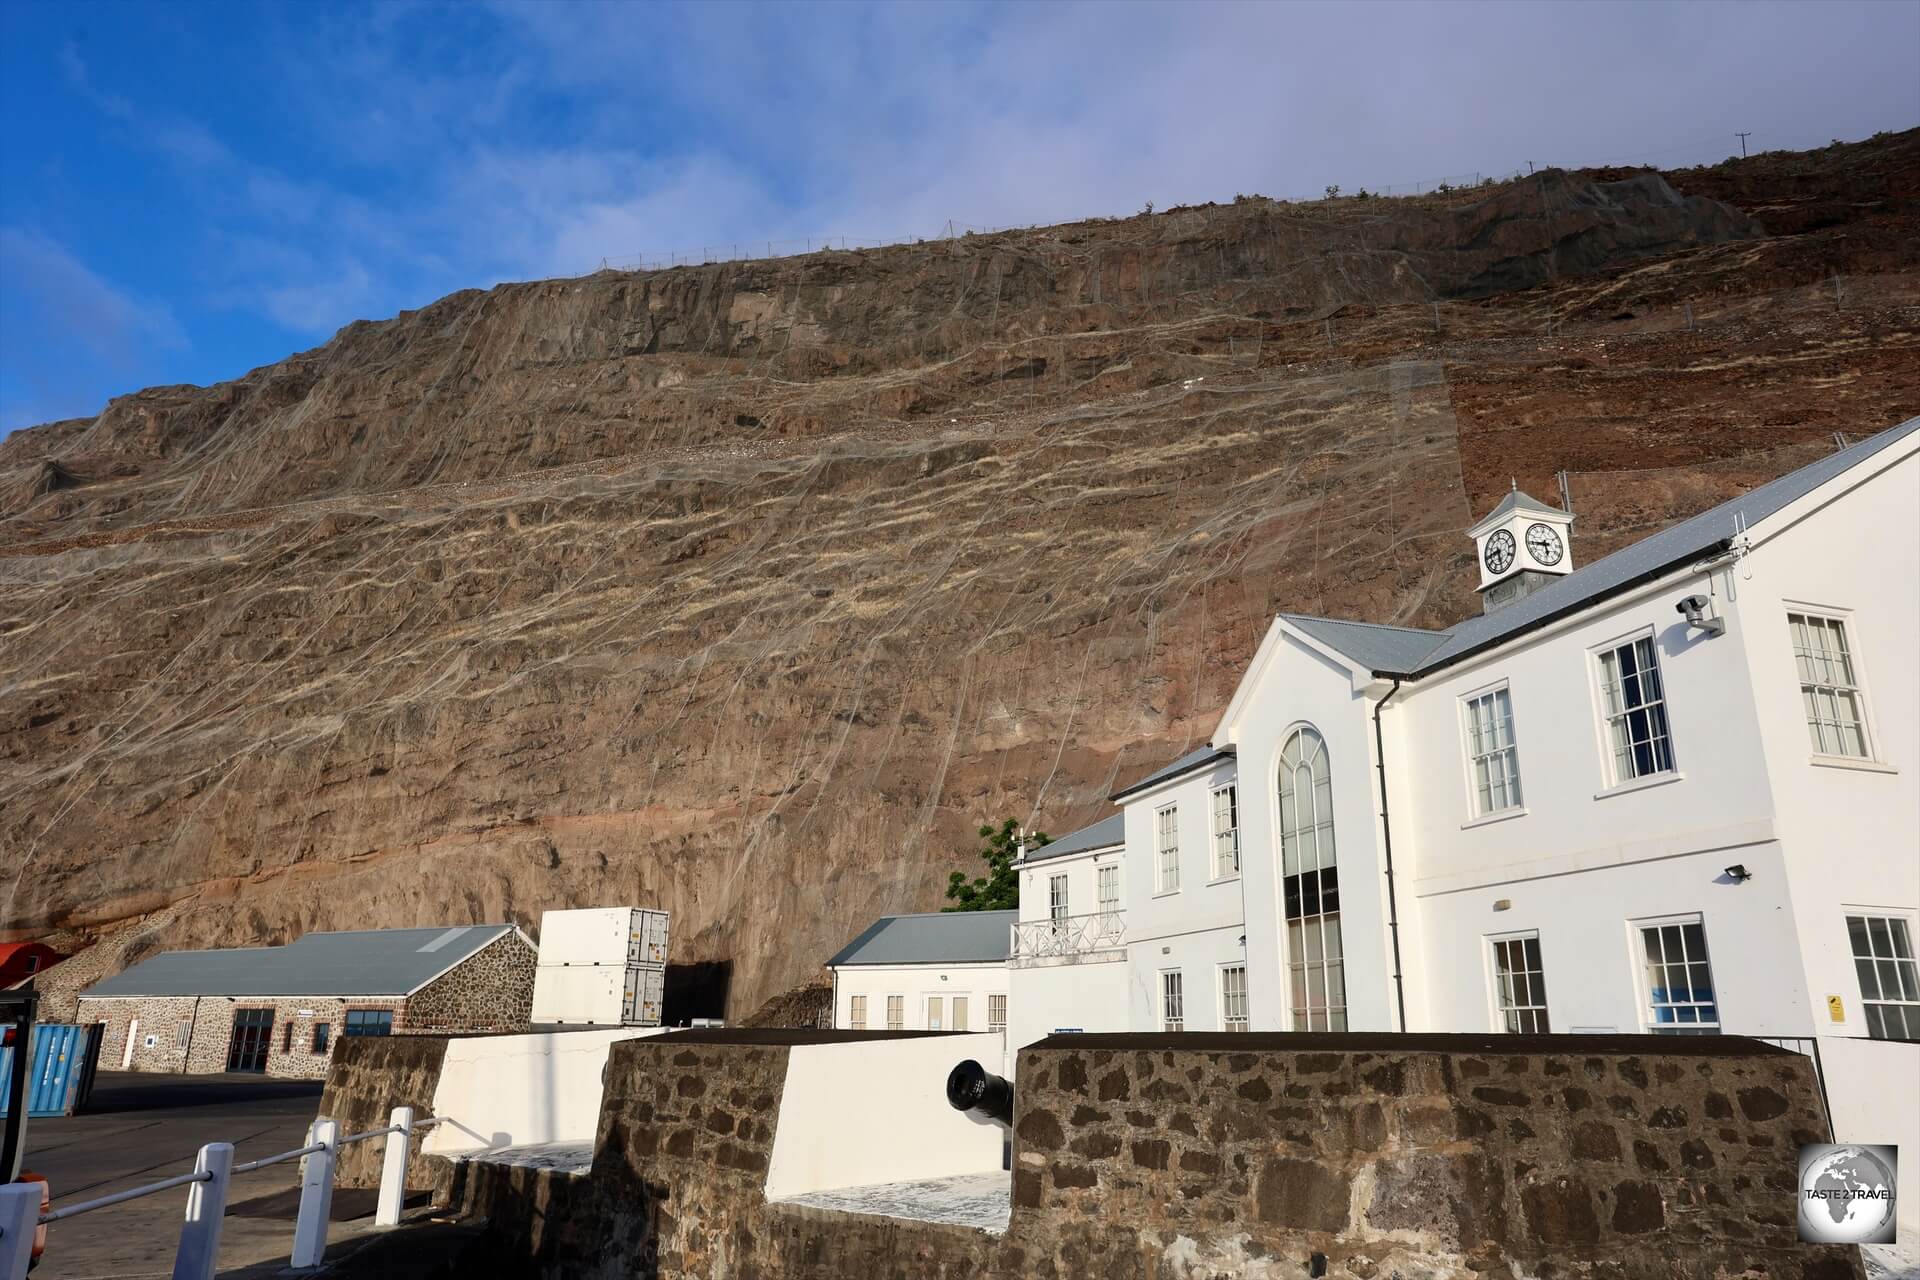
{"x": 1743, "y": 142}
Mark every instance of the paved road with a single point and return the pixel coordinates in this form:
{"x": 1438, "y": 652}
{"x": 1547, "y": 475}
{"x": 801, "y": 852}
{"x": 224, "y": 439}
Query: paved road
{"x": 142, "y": 1128}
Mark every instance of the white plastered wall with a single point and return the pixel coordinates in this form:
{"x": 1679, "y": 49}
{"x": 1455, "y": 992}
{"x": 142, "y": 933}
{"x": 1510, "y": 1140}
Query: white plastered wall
{"x": 1194, "y": 929}
{"x": 876, "y": 1111}
{"x": 917, "y": 985}
{"x": 1295, "y": 686}
{"x": 500, "y": 1091}
{"x": 1090, "y": 996}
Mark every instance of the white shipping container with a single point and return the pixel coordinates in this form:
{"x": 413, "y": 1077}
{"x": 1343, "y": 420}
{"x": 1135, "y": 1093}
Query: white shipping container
{"x": 618, "y": 936}
{"x": 646, "y": 991}
{"x": 600, "y": 995}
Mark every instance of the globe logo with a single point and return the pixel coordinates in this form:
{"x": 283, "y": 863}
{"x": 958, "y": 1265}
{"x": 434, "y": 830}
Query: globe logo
{"x": 1846, "y": 1194}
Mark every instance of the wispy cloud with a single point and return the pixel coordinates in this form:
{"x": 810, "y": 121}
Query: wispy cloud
{"x": 415, "y": 149}
{"x": 53, "y": 296}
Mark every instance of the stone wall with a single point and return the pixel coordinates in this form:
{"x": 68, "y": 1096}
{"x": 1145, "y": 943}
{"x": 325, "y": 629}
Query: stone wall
{"x": 1603, "y": 1156}
{"x": 370, "y": 1076}
{"x": 159, "y": 1018}
{"x": 1182, "y": 1157}
{"x": 211, "y": 1019}
{"x": 491, "y": 990}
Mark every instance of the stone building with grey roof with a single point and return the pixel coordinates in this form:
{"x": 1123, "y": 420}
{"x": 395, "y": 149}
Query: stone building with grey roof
{"x": 279, "y": 1010}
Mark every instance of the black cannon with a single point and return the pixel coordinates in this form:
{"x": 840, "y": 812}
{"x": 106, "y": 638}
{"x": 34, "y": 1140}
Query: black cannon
{"x": 971, "y": 1087}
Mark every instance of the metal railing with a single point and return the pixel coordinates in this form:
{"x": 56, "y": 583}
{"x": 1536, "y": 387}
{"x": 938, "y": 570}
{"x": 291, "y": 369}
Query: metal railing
{"x": 1066, "y": 937}
{"x": 197, "y": 1254}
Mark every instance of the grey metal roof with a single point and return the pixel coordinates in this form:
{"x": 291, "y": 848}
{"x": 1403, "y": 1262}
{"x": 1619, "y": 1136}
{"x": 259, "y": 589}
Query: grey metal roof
{"x": 1385, "y": 653}
{"x": 1185, "y": 764}
{"x": 936, "y": 937}
{"x": 1518, "y": 501}
{"x": 362, "y": 962}
{"x": 1373, "y": 645}
{"x": 1109, "y": 831}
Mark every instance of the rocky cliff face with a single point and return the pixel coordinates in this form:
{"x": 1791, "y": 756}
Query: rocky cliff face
{"x": 750, "y": 589}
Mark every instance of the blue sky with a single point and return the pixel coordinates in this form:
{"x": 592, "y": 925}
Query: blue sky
{"x": 188, "y": 191}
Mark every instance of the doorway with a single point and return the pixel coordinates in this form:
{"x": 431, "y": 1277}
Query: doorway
{"x": 252, "y": 1034}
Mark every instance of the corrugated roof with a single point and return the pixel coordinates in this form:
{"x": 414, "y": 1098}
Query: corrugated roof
{"x": 1185, "y": 764}
{"x": 1111, "y": 830}
{"x": 361, "y": 962}
{"x": 1395, "y": 651}
{"x": 937, "y": 937}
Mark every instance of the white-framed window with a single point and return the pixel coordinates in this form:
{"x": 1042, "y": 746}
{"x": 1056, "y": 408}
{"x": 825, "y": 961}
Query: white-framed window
{"x": 1057, "y": 898}
{"x": 1233, "y": 997}
{"x": 1634, "y": 702}
{"x": 996, "y": 1013}
{"x": 1167, "y": 846}
{"x": 959, "y": 1013}
{"x": 1829, "y": 686}
{"x": 896, "y": 1013}
{"x": 1889, "y": 979}
{"x": 1173, "y": 1001}
{"x": 857, "y": 1013}
{"x": 1519, "y": 984}
{"x": 1226, "y": 832}
{"x": 1311, "y": 886}
{"x": 182, "y": 1034}
{"x": 936, "y": 1008}
{"x": 1107, "y": 881}
{"x": 1677, "y": 978}
{"x": 1492, "y": 756}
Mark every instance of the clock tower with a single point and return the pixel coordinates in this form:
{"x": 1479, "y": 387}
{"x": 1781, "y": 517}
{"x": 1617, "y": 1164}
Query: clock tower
{"x": 1523, "y": 544}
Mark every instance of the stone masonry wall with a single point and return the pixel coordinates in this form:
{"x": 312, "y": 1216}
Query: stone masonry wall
{"x": 1551, "y": 1156}
{"x": 369, "y": 1076}
{"x": 211, "y": 1018}
{"x": 160, "y": 1018}
{"x": 491, "y": 990}
{"x": 1183, "y": 1157}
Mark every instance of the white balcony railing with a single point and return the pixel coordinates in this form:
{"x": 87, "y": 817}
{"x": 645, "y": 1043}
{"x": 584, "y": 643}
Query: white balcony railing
{"x": 1065, "y": 939}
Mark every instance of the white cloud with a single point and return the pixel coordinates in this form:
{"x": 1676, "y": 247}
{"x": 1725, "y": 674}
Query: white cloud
{"x": 102, "y": 333}
{"x": 536, "y": 139}
{"x": 60, "y": 292}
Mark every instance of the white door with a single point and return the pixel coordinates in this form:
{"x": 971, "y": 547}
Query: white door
{"x": 126, "y": 1054}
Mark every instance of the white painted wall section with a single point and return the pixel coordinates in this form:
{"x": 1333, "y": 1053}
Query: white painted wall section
{"x": 924, "y": 991}
{"x": 1873, "y": 1087}
{"x": 511, "y": 1091}
{"x": 859, "y": 1114}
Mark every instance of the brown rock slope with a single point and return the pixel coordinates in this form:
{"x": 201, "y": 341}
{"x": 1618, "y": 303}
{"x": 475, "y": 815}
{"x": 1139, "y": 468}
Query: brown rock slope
{"x": 751, "y": 589}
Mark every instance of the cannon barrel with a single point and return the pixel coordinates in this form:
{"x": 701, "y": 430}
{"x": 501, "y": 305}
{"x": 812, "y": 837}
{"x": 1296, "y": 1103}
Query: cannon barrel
{"x": 971, "y": 1087}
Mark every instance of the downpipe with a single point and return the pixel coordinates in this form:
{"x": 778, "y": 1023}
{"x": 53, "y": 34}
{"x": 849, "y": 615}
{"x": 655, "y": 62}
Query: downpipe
{"x": 1386, "y": 840}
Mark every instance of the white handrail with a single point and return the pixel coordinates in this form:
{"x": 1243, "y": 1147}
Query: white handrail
{"x": 121, "y": 1197}
{"x": 1067, "y": 936}
{"x": 207, "y": 1197}
{"x": 282, "y": 1158}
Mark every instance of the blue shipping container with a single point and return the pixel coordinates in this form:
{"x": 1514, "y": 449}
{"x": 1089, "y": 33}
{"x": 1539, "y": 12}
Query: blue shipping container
{"x": 62, "y": 1063}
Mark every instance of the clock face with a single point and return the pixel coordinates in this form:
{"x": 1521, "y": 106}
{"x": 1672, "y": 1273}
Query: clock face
{"x": 1544, "y": 544}
{"x": 1499, "y": 553}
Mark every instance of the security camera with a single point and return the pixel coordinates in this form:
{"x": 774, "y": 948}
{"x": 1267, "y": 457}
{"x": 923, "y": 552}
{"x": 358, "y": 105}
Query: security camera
{"x": 1699, "y": 613}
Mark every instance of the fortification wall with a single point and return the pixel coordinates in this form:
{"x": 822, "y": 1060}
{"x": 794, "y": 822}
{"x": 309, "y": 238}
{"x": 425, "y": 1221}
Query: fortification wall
{"x": 1198, "y": 1156}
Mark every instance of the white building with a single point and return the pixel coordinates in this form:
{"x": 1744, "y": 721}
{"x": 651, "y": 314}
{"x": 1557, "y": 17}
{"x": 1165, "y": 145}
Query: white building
{"x": 1671, "y": 792}
{"x": 942, "y": 971}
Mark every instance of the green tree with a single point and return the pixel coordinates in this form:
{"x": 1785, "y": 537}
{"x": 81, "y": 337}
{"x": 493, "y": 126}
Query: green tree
{"x": 999, "y": 889}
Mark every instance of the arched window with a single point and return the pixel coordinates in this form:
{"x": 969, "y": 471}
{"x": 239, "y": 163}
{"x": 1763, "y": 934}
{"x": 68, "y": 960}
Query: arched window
{"x": 1311, "y": 886}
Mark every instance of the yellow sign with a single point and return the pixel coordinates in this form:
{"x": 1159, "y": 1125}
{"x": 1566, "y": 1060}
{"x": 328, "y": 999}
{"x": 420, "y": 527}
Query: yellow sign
{"x": 1836, "y": 1010}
